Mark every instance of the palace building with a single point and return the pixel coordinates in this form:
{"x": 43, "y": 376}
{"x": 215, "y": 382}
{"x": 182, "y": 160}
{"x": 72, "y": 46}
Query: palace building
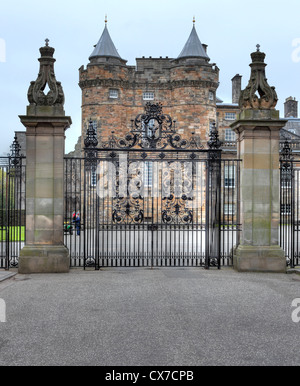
{"x": 114, "y": 93}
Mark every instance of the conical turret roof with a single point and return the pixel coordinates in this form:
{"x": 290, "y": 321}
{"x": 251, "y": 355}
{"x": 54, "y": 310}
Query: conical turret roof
{"x": 193, "y": 47}
{"x": 105, "y": 47}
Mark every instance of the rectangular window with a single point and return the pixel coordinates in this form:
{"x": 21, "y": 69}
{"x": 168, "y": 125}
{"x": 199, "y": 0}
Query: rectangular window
{"x": 229, "y": 209}
{"x": 230, "y": 116}
{"x": 148, "y": 96}
{"x": 148, "y": 174}
{"x": 229, "y": 176}
{"x": 95, "y": 126}
{"x": 286, "y": 209}
{"x": 113, "y": 94}
{"x": 230, "y": 135}
{"x": 211, "y": 95}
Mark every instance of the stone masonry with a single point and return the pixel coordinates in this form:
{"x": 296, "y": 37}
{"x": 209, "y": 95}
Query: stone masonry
{"x": 113, "y": 93}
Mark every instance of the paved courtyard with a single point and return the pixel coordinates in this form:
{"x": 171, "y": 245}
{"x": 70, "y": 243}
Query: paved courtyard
{"x": 157, "y": 317}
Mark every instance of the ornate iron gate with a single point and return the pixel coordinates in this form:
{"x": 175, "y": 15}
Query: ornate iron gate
{"x": 149, "y": 199}
{"x": 12, "y": 207}
{"x": 290, "y": 206}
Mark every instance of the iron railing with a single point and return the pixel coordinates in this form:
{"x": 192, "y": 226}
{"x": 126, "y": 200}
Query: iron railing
{"x": 289, "y": 229}
{"x": 12, "y": 207}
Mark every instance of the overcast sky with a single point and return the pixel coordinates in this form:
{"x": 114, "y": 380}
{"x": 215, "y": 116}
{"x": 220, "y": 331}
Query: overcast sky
{"x": 230, "y": 28}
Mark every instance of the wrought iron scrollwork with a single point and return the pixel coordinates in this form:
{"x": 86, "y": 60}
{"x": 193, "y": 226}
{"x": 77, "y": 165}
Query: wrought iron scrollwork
{"x": 177, "y": 187}
{"x": 15, "y": 155}
{"x": 91, "y": 143}
{"x": 286, "y": 163}
{"x": 91, "y": 140}
{"x": 214, "y": 143}
{"x": 127, "y": 210}
{"x": 152, "y": 130}
{"x": 176, "y": 210}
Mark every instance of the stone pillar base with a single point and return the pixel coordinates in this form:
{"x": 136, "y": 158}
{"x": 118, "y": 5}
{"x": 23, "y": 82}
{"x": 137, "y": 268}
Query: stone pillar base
{"x": 259, "y": 259}
{"x": 44, "y": 259}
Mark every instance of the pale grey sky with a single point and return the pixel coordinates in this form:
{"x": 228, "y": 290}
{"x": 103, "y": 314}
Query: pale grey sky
{"x": 230, "y": 28}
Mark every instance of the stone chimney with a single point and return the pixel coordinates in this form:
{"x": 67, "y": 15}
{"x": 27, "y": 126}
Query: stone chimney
{"x": 291, "y": 108}
{"x": 236, "y": 88}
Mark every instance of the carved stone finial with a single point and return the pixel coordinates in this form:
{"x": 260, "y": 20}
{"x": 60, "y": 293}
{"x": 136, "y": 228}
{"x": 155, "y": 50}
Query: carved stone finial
{"x": 55, "y": 95}
{"x": 258, "y": 95}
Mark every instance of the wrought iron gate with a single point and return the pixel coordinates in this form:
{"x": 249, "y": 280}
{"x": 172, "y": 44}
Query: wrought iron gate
{"x": 150, "y": 199}
{"x": 290, "y": 206}
{"x": 12, "y": 207}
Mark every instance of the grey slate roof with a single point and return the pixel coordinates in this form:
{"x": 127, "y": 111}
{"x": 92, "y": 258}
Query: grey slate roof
{"x": 105, "y": 47}
{"x": 193, "y": 47}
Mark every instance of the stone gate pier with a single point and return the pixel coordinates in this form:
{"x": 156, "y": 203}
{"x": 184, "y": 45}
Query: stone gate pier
{"x": 257, "y": 128}
{"x": 45, "y": 124}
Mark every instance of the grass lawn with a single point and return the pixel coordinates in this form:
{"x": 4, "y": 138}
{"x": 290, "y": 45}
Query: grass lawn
{"x": 16, "y": 233}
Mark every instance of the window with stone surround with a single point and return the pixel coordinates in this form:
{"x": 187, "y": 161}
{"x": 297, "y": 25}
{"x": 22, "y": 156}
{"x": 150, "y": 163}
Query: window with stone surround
{"x": 230, "y": 116}
{"x": 211, "y": 96}
{"x": 113, "y": 93}
{"x": 148, "y": 96}
{"x": 230, "y": 135}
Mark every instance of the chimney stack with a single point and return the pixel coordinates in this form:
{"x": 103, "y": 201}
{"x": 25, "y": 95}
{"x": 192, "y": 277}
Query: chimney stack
{"x": 236, "y": 88}
{"x": 291, "y": 108}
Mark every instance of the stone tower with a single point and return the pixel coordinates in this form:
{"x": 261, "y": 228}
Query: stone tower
{"x": 114, "y": 93}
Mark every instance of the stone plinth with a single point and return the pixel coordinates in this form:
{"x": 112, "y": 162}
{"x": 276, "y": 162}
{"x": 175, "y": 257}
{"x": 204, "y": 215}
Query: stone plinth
{"x": 258, "y": 148}
{"x": 259, "y": 259}
{"x": 44, "y": 259}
